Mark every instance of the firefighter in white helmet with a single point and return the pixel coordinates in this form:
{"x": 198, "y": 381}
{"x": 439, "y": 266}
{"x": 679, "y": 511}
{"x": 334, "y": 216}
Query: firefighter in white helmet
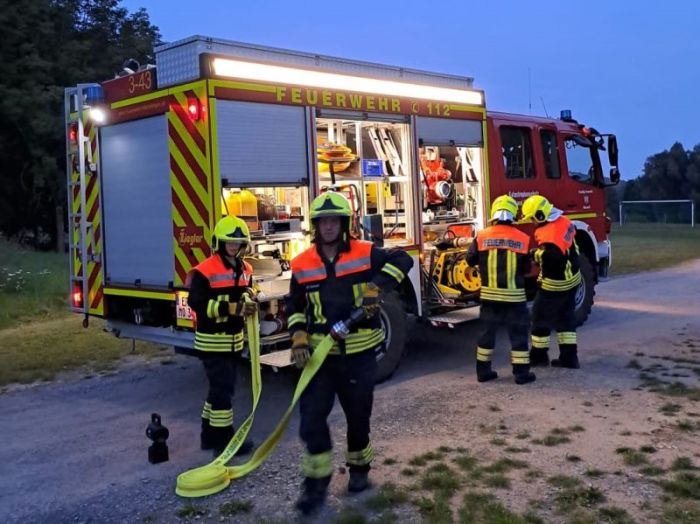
{"x": 555, "y": 304}
{"x": 217, "y": 286}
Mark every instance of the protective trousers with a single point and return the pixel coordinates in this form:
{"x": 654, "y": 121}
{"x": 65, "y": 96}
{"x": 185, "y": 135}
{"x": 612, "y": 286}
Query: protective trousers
{"x": 217, "y": 415}
{"x": 554, "y": 310}
{"x": 515, "y": 318}
{"x": 351, "y": 378}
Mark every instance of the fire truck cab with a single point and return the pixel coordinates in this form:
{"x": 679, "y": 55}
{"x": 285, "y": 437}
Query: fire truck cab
{"x": 560, "y": 159}
{"x": 220, "y": 127}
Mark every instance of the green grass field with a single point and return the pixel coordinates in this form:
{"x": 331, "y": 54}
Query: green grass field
{"x": 640, "y": 247}
{"x": 32, "y": 285}
{"x": 40, "y": 338}
{"x": 42, "y": 348}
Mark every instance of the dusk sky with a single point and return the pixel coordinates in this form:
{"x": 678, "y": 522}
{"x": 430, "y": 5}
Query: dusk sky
{"x": 631, "y": 68}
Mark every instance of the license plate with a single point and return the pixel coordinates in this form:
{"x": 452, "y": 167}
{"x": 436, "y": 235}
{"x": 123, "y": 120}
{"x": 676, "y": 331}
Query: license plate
{"x": 182, "y": 309}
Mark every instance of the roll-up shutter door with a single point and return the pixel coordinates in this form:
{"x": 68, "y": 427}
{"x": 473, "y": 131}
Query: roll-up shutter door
{"x": 443, "y": 132}
{"x": 261, "y": 144}
{"x": 137, "y": 202}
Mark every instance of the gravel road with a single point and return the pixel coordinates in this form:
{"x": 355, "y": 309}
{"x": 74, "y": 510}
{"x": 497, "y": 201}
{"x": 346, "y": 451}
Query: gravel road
{"x": 75, "y": 450}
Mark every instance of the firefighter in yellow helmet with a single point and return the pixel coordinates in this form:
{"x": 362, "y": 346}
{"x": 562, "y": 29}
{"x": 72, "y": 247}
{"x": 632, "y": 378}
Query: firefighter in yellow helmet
{"x": 501, "y": 251}
{"x": 555, "y": 304}
{"x": 216, "y": 289}
{"x": 331, "y": 279}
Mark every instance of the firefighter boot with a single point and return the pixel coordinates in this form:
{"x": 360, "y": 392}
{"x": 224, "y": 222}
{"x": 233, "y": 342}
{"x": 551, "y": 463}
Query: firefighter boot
{"x": 206, "y": 439}
{"x": 484, "y": 373}
{"x": 568, "y": 357}
{"x": 522, "y": 374}
{"x": 313, "y": 494}
{"x": 223, "y": 436}
{"x": 359, "y": 480}
{"x": 539, "y": 357}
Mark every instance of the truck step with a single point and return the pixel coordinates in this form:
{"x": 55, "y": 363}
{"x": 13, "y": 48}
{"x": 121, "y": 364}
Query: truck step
{"x": 277, "y": 359}
{"x": 452, "y": 318}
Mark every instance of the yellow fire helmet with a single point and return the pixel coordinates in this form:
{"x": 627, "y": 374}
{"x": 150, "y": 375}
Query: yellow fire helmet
{"x": 230, "y": 229}
{"x": 330, "y": 204}
{"x": 504, "y": 208}
{"x": 536, "y": 208}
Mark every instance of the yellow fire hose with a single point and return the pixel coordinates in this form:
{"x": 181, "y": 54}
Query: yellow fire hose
{"x": 216, "y": 476}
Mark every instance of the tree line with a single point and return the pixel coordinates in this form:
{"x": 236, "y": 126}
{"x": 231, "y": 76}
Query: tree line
{"x": 46, "y": 46}
{"x": 673, "y": 174}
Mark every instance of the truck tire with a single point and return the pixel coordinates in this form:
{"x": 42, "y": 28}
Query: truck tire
{"x": 395, "y": 325}
{"x": 586, "y": 290}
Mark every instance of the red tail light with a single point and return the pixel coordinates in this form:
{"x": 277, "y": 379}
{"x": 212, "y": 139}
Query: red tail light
{"x": 194, "y": 109}
{"x": 73, "y": 135}
{"x": 77, "y": 296}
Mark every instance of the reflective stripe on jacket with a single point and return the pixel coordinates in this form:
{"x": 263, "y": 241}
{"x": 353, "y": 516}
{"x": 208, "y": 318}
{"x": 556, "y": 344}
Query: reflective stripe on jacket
{"x": 309, "y": 267}
{"x": 214, "y": 284}
{"x": 322, "y": 291}
{"x": 557, "y": 255}
{"x": 501, "y": 251}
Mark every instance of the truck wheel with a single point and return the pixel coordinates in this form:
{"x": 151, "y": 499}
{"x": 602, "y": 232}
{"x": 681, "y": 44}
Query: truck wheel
{"x": 394, "y": 325}
{"x": 585, "y": 291}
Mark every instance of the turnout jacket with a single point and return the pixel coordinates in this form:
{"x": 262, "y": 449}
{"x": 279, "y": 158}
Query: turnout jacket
{"x": 214, "y": 284}
{"x": 557, "y": 255}
{"x": 501, "y": 251}
{"x": 323, "y": 292}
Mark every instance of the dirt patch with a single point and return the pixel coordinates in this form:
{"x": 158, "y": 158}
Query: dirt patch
{"x": 616, "y": 441}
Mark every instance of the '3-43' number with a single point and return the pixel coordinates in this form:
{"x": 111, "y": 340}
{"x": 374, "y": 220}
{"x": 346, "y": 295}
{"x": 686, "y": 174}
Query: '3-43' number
{"x": 140, "y": 82}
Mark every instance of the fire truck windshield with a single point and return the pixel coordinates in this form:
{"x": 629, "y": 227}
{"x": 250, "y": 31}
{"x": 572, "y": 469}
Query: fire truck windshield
{"x": 581, "y": 161}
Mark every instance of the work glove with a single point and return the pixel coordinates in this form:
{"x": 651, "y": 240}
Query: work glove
{"x": 300, "y": 349}
{"x": 370, "y": 300}
{"x": 536, "y": 255}
{"x": 243, "y": 308}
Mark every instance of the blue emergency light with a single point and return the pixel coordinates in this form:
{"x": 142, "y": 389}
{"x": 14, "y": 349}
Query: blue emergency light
{"x": 94, "y": 95}
{"x": 565, "y": 114}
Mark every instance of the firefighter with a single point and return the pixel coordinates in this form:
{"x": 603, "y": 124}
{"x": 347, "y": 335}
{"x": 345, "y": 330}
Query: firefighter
{"x": 331, "y": 279}
{"x": 501, "y": 251}
{"x": 217, "y": 286}
{"x": 555, "y": 303}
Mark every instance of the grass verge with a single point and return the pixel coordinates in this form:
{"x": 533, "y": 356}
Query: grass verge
{"x": 485, "y": 508}
{"x": 388, "y": 496}
{"x": 38, "y": 351}
{"x": 32, "y": 284}
{"x": 680, "y": 512}
{"x": 640, "y": 247}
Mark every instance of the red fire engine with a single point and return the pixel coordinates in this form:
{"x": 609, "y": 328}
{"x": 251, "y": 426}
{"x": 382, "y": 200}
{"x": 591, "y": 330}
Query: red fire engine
{"x": 156, "y": 157}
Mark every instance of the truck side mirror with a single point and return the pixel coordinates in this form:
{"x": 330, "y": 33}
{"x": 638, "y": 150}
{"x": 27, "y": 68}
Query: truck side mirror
{"x": 612, "y": 159}
{"x": 612, "y": 150}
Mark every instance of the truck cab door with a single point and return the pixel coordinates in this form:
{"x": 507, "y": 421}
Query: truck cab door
{"x": 580, "y": 193}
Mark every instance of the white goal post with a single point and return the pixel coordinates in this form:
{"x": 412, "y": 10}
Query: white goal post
{"x": 691, "y": 202}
